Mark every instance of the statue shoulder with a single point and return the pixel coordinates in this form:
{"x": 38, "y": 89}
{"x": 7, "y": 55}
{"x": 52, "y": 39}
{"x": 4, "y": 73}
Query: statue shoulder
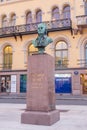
{"x": 49, "y": 40}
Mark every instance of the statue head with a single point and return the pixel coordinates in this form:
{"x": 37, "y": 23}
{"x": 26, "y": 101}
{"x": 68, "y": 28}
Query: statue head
{"x": 42, "y": 29}
{"x": 42, "y": 40}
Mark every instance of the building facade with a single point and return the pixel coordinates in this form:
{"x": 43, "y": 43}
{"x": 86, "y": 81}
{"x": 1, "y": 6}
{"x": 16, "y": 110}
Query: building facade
{"x": 66, "y": 22}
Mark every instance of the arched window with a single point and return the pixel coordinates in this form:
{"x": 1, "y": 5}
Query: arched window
{"x": 7, "y": 57}
{"x": 4, "y": 21}
{"x": 28, "y": 18}
{"x": 55, "y": 13}
{"x": 66, "y": 12}
{"x": 55, "y": 17}
{"x": 13, "y": 20}
{"x": 38, "y": 16}
{"x": 61, "y": 54}
{"x": 32, "y": 49}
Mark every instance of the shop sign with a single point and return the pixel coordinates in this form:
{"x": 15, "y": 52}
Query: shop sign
{"x": 76, "y": 72}
{"x": 13, "y": 83}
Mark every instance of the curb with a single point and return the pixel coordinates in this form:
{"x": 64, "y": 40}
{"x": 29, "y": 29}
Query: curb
{"x": 12, "y": 97}
{"x": 71, "y": 99}
{"x": 56, "y": 98}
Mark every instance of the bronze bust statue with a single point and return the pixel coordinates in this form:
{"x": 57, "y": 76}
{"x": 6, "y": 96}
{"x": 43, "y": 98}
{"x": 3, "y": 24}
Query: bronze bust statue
{"x": 42, "y": 40}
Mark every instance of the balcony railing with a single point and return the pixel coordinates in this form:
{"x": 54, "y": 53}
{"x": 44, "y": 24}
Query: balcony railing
{"x": 82, "y": 63}
{"x": 7, "y": 66}
{"x": 61, "y": 64}
{"x": 82, "y": 20}
{"x": 56, "y": 25}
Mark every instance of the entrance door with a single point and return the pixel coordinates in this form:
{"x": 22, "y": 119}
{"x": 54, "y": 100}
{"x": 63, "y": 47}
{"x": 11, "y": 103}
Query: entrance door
{"x": 5, "y": 83}
{"x": 63, "y": 83}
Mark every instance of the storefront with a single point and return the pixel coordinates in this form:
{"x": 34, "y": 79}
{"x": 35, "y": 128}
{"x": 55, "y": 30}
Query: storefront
{"x": 70, "y": 82}
{"x": 14, "y": 82}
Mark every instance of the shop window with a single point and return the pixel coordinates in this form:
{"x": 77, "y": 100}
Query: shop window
{"x": 39, "y": 16}
{"x": 32, "y": 49}
{"x": 7, "y": 57}
{"x": 66, "y": 12}
{"x": 61, "y": 54}
{"x": 5, "y": 83}
{"x": 23, "y": 83}
{"x": 63, "y": 83}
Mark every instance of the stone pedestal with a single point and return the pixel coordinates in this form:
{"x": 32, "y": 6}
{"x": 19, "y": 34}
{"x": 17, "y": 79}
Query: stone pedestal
{"x": 40, "y": 91}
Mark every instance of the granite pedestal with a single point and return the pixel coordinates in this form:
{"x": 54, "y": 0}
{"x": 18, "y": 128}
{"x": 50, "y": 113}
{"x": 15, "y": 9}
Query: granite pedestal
{"x": 40, "y": 91}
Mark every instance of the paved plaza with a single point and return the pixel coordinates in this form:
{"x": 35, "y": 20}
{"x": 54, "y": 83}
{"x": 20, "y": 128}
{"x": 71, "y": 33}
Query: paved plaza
{"x": 72, "y": 117}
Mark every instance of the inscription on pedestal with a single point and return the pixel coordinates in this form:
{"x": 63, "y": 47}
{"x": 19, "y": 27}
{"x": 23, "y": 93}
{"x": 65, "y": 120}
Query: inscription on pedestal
{"x": 37, "y": 80}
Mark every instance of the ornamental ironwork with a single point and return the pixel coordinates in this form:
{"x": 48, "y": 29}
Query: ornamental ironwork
{"x": 54, "y": 25}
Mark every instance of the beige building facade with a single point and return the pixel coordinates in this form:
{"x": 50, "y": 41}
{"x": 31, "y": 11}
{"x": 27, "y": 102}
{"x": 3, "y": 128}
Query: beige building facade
{"x": 66, "y": 23}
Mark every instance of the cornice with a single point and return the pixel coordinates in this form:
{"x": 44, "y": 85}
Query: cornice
{"x": 13, "y": 2}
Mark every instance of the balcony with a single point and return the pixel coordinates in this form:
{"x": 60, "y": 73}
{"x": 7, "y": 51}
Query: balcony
{"x": 19, "y": 30}
{"x": 82, "y": 21}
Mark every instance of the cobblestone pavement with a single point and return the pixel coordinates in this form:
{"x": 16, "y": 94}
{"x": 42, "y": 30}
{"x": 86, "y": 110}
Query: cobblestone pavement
{"x": 72, "y": 117}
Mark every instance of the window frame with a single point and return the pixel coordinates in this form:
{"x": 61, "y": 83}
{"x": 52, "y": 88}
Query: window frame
{"x": 7, "y": 57}
{"x": 62, "y": 62}
{"x": 66, "y": 12}
{"x": 39, "y": 16}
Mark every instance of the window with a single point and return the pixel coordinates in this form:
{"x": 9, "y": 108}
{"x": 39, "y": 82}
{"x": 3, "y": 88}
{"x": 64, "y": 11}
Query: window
{"x": 61, "y": 54}
{"x": 13, "y": 20}
{"x": 85, "y": 8}
{"x": 7, "y": 57}
{"x": 55, "y": 14}
{"x": 38, "y": 16}
{"x": 32, "y": 49}
{"x": 55, "y": 17}
{"x": 23, "y": 83}
{"x": 66, "y": 12}
{"x": 1, "y": 0}
{"x": 28, "y": 18}
{"x": 4, "y": 21}
{"x": 85, "y": 47}
{"x": 5, "y": 83}
{"x": 29, "y": 21}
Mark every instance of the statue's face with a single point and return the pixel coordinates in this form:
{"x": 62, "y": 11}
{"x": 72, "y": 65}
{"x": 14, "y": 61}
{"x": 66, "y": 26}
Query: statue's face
{"x": 41, "y": 29}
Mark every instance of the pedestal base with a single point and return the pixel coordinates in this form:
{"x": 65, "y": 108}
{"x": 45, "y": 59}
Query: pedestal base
{"x": 40, "y": 118}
